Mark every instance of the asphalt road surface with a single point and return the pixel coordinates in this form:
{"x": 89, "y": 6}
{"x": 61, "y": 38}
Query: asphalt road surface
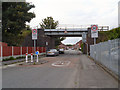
{"x": 81, "y": 72}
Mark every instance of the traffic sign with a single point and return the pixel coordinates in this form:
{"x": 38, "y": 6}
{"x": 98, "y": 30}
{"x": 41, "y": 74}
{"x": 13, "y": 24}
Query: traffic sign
{"x": 65, "y": 31}
{"x": 37, "y": 52}
{"x": 94, "y": 31}
{"x": 94, "y": 27}
{"x": 34, "y": 34}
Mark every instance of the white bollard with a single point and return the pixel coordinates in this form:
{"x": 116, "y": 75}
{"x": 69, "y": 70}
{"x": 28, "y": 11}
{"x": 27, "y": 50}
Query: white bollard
{"x": 31, "y": 57}
{"x": 37, "y": 58}
{"x": 26, "y": 57}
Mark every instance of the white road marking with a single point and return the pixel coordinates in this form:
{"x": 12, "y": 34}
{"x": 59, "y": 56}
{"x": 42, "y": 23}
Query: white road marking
{"x": 60, "y": 63}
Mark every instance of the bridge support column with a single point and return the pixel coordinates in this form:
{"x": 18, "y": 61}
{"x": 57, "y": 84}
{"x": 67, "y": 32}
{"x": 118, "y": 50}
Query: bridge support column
{"x": 84, "y": 48}
{"x": 52, "y": 43}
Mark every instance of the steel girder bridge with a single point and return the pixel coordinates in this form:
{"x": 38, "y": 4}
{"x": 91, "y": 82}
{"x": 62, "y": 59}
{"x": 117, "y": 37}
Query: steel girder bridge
{"x": 71, "y": 32}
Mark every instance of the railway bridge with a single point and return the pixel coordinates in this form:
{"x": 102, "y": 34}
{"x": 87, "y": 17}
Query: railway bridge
{"x": 71, "y": 32}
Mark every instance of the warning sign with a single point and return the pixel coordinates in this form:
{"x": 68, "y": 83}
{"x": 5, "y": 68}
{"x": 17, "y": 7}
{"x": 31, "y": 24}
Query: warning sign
{"x": 34, "y": 34}
{"x": 94, "y": 31}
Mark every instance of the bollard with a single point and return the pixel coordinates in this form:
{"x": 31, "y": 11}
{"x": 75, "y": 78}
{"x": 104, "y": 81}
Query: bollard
{"x": 26, "y": 57}
{"x": 31, "y": 57}
{"x": 37, "y": 58}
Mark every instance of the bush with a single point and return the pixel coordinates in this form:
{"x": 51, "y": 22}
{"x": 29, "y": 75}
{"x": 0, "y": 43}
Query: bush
{"x": 20, "y": 57}
{"x": 82, "y": 47}
{"x": 10, "y": 58}
{"x": 108, "y": 35}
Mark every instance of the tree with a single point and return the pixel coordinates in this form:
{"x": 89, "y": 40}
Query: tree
{"x": 15, "y": 15}
{"x": 50, "y": 23}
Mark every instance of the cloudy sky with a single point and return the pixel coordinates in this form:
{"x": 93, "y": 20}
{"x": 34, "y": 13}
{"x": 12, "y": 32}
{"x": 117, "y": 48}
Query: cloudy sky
{"x": 76, "y": 13}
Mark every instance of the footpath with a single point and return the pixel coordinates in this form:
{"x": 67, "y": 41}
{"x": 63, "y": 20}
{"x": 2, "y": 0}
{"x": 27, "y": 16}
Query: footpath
{"x": 17, "y": 61}
{"x": 91, "y": 75}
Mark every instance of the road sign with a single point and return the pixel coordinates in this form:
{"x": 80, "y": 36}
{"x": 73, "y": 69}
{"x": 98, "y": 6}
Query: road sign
{"x": 65, "y": 31}
{"x": 34, "y": 34}
{"x": 37, "y": 52}
{"x": 94, "y": 31}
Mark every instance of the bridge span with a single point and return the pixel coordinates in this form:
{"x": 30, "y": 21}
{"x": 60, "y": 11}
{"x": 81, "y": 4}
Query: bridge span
{"x": 75, "y": 32}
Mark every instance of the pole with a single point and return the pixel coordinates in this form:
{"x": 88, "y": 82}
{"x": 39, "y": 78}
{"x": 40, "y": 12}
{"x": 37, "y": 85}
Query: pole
{"x": 1, "y": 53}
{"x": 94, "y": 41}
{"x": 34, "y": 46}
{"x": 37, "y": 58}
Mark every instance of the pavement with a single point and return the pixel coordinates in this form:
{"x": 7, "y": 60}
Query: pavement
{"x": 81, "y": 72}
{"x": 19, "y": 60}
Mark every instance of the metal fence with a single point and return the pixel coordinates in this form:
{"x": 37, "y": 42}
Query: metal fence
{"x": 107, "y": 53}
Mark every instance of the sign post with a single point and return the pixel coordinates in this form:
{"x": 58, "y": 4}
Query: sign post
{"x": 37, "y": 55}
{"x": 94, "y": 32}
{"x": 34, "y": 37}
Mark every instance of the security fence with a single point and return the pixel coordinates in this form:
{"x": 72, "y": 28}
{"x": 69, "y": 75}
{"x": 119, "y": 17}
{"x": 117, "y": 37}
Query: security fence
{"x": 107, "y": 53}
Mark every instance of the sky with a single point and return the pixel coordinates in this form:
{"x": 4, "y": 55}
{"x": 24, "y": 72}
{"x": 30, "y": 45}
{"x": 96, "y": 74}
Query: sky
{"x": 76, "y": 13}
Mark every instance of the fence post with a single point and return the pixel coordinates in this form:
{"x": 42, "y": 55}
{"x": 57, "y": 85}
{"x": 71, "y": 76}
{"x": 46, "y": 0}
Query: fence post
{"x": 12, "y": 51}
{"x": 1, "y": 52}
{"x": 21, "y": 50}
